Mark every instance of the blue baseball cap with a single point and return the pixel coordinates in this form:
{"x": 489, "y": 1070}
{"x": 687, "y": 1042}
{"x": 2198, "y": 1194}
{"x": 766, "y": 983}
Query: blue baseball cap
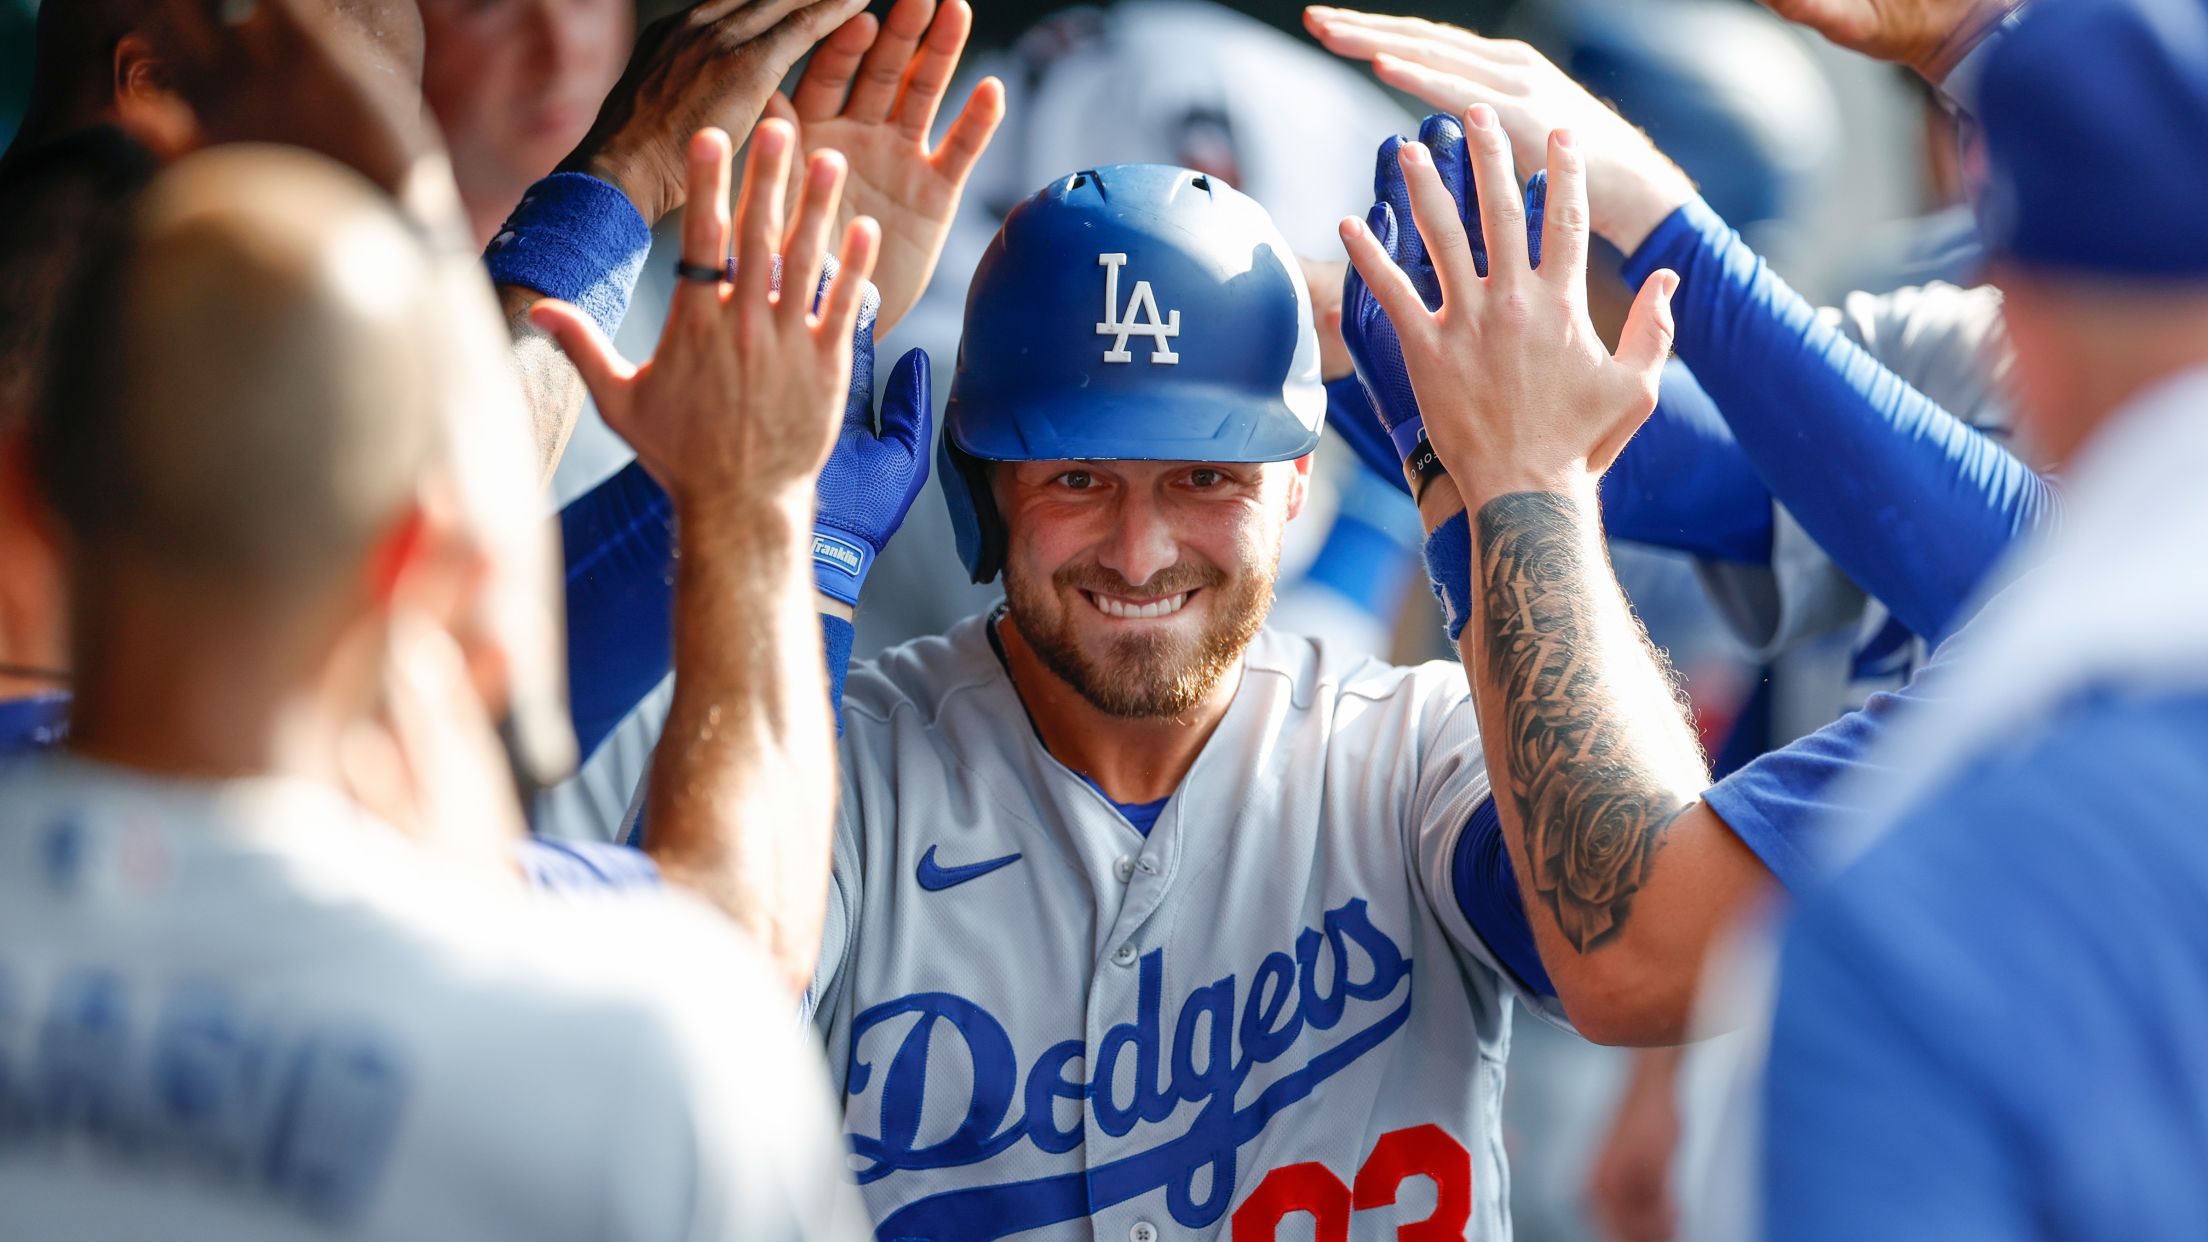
{"x": 2096, "y": 129}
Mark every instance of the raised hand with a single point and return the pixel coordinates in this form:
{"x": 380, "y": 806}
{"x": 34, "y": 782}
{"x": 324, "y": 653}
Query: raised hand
{"x": 1929, "y": 36}
{"x": 1516, "y": 390}
{"x": 871, "y": 92}
{"x": 713, "y": 65}
{"x": 1368, "y": 335}
{"x": 745, "y": 396}
{"x": 1631, "y": 186}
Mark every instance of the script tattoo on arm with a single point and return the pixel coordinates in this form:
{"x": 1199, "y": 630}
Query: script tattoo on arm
{"x": 1593, "y": 819}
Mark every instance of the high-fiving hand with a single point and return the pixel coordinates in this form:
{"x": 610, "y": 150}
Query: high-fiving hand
{"x": 1366, "y": 331}
{"x": 1929, "y": 36}
{"x": 712, "y": 65}
{"x": 871, "y": 92}
{"x": 745, "y": 395}
{"x": 1517, "y": 391}
{"x": 1631, "y": 186}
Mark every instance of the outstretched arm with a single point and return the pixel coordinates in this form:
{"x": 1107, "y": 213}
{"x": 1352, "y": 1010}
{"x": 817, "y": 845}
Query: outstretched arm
{"x": 871, "y": 92}
{"x": 735, "y": 415}
{"x": 1626, "y": 878}
{"x": 1913, "y": 503}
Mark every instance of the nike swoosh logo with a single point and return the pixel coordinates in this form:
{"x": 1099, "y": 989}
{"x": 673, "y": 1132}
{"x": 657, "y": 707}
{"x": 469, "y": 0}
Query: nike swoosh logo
{"x": 935, "y": 878}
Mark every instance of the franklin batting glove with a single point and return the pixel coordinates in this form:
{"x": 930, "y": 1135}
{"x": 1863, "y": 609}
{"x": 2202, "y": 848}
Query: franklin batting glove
{"x": 1390, "y": 404}
{"x": 878, "y": 466}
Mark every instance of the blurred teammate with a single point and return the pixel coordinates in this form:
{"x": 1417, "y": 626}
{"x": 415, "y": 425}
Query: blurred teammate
{"x": 283, "y": 453}
{"x": 2032, "y": 897}
{"x": 515, "y": 85}
{"x": 61, "y": 190}
{"x": 343, "y": 77}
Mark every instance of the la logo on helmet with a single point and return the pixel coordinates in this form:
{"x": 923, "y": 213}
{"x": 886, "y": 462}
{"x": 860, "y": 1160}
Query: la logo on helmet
{"x": 1161, "y": 331}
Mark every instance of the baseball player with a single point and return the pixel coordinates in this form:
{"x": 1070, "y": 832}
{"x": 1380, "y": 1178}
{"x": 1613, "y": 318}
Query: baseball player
{"x": 1145, "y": 920}
{"x": 235, "y": 1000}
{"x": 1988, "y": 1027}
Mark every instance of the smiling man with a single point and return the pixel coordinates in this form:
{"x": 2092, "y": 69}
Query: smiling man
{"x": 1145, "y": 920}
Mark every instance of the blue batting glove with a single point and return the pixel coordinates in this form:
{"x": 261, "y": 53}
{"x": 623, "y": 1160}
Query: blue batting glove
{"x": 877, "y": 468}
{"x": 1373, "y": 347}
{"x": 878, "y": 465}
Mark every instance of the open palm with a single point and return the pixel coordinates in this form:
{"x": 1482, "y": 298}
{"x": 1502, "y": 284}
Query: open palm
{"x": 871, "y": 92}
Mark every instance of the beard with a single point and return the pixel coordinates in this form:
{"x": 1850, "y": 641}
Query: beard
{"x": 1148, "y": 675}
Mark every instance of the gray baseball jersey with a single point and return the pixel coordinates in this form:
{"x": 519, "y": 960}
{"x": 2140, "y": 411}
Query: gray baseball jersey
{"x": 245, "y": 1011}
{"x": 1046, "y": 1024}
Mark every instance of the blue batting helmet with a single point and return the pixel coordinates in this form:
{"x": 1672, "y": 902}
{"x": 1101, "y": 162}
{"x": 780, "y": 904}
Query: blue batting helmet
{"x": 1136, "y": 312}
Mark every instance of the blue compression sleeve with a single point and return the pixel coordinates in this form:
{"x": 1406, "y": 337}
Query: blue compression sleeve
{"x": 619, "y": 540}
{"x": 1683, "y": 483}
{"x": 1911, "y": 502}
{"x": 1487, "y": 892}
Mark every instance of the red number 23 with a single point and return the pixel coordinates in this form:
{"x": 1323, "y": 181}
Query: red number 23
{"x": 1420, "y": 1151}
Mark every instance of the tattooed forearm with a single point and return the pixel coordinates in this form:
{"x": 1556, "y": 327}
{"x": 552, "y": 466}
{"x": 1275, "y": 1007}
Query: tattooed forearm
{"x": 1592, "y": 815}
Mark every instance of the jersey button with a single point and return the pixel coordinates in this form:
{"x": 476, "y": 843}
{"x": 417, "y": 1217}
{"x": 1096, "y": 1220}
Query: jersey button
{"x": 1126, "y": 868}
{"x": 1125, "y": 956}
{"x": 1143, "y": 1231}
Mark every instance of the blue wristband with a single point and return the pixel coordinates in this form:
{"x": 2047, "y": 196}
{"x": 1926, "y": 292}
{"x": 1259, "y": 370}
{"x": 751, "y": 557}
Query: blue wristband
{"x": 840, "y": 562}
{"x": 575, "y": 238}
{"x": 1449, "y": 567}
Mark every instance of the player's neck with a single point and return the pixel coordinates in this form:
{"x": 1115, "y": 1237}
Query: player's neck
{"x": 1130, "y": 760}
{"x": 195, "y": 694}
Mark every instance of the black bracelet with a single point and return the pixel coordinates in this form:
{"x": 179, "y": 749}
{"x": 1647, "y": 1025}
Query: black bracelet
{"x": 1423, "y": 468}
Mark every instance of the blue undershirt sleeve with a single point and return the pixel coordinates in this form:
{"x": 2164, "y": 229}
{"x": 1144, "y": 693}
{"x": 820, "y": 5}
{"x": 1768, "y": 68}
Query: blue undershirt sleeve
{"x": 619, "y": 542}
{"x": 1912, "y": 503}
{"x": 1487, "y": 892}
{"x": 1683, "y": 483}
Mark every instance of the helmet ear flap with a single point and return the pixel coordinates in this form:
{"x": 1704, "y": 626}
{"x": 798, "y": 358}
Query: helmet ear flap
{"x": 975, "y": 524}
